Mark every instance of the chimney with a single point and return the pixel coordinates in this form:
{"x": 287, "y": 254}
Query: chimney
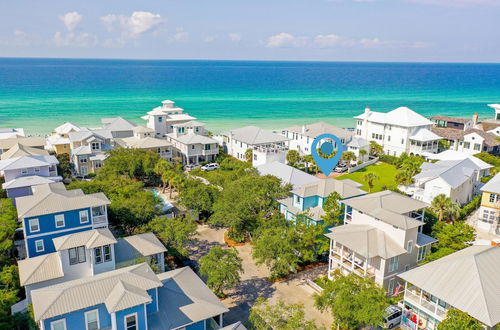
{"x": 475, "y": 118}
{"x": 303, "y": 129}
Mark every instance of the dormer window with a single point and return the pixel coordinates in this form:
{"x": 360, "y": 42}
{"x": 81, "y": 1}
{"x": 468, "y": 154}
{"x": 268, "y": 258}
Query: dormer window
{"x": 160, "y": 119}
{"x": 96, "y": 146}
{"x": 76, "y": 255}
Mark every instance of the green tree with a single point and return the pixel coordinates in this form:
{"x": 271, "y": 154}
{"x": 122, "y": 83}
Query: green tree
{"x": 444, "y": 208}
{"x": 375, "y": 148}
{"x": 164, "y": 168}
{"x": 333, "y": 209}
{"x": 310, "y": 164}
{"x": 348, "y": 156}
{"x": 265, "y": 316}
{"x": 175, "y": 233}
{"x": 64, "y": 168}
{"x": 370, "y": 178}
{"x": 362, "y": 154}
{"x": 249, "y": 155}
{"x": 451, "y": 238}
{"x": 410, "y": 164}
{"x": 9, "y": 291}
{"x": 354, "y": 301}
{"x": 222, "y": 267}
{"x": 199, "y": 197}
{"x": 458, "y": 320}
{"x": 403, "y": 178}
{"x": 293, "y": 157}
{"x": 443, "y": 145}
{"x": 8, "y": 224}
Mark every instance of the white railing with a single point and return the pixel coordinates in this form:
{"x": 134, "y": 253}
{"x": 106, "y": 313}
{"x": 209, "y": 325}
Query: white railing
{"x": 99, "y": 219}
{"x": 363, "y": 165}
{"x": 430, "y": 307}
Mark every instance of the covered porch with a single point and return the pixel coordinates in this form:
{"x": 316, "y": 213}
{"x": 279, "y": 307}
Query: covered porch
{"x": 348, "y": 260}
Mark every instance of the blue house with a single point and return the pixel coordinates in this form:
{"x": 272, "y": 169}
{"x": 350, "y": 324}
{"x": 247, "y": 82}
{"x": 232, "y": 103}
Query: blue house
{"x": 53, "y": 211}
{"x": 130, "y": 298}
{"x": 309, "y": 198}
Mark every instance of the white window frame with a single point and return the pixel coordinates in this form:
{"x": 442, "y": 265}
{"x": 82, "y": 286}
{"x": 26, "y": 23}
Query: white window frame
{"x": 409, "y": 246}
{"x": 36, "y": 245}
{"x": 421, "y": 253}
{"x": 86, "y": 319}
{"x": 393, "y": 266}
{"x": 37, "y": 224}
{"x": 63, "y": 220}
{"x": 136, "y": 320}
{"x": 391, "y": 286}
{"x": 86, "y": 214}
{"x": 24, "y": 171}
{"x": 63, "y": 321}
{"x": 37, "y": 169}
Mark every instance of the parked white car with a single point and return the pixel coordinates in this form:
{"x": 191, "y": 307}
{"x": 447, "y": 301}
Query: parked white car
{"x": 393, "y": 317}
{"x": 190, "y": 167}
{"x": 210, "y": 167}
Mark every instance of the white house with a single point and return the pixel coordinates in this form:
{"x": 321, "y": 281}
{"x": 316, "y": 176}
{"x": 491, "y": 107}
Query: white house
{"x": 143, "y": 138}
{"x": 191, "y": 143}
{"x": 302, "y": 137}
{"x": 7, "y": 133}
{"x": 161, "y": 119}
{"x": 88, "y": 149}
{"x": 287, "y": 174}
{"x": 59, "y": 141}
{"x": 118, "y": 126}
{"x": 266, "y": 145}
{"x": 400, "y": 130}
{"x": 457, "y": 179}
{"x": 380, "y": 239}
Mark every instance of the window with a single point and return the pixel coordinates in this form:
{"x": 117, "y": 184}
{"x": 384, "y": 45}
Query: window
{"x": 37, "y": 169}
{"x": 402, "y": 141}
{"x": 97, "y": 211}
{"x": 207, "y": 146}
{"x": 59, "y": 220}
{"x": 160, "y": 119}
{"x": 393, "y": 263}
{"x": 389, "y": 138}
{"x": 98, "y": 255}
{"x": 131, "y": 322}
{"x": 297, "y": 199}
{"x": 39, "y": 245}
{"x": 409, "y": 247}
{"x": 107, "y": 252}
{"x": 58, "y": 325}
{"x": 92, "y": 320}
{"x": 390, "y": 286}
{"x": 407, "y": 267}
{"x": 24, "y": 171}
{"x": 494, "y": 198}
{"x": 34, "y": 225}
{"x": 477, "y": 146}
{"x": 96, "y": 146}
{"x": 467, "y": 145}
{"x": 192, "y": 147}
{"x": 421, "y": 253}
{"x": 83, "y": 159}
{"x": 76, "y": 255}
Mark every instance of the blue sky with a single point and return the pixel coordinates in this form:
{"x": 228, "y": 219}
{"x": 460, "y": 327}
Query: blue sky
{"x": 331, "y": 30}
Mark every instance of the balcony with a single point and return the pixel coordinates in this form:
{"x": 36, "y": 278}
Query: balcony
{"x": 214, "y": 151}
{"x": 351, "y": 261}
{"x": 421, "y": 300}
{"x": 165, "y": 154}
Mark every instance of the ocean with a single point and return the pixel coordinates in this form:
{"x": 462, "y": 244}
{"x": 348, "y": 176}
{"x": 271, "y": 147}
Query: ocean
{"x": 40, "y": 94}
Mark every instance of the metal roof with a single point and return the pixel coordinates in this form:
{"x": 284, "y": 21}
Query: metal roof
{"x": 402, "y": 116}
{"x": 253, "y": 135}
{"x": 39, "y": 269}
{"x": 27, "y": 162}
{"x": 146, "y": 244}
{"x": 316, "y": 129}
{"x": 31, "y": 141}
{"x": 85, "y": 292}
{"x": 366, "y": 240}
{"x": 53, "y": 198}
{"x": 287, "y": 174}
{"x": 192, "y": 138}
{"x": 29, "y": 181}
{"x": 143, "y": 143}
{"x": 89, "y": 238}
{"x": 18, "y": 150}
{"x": 117, "y": 124}
{"x": 467, "y": 280}
{"x": 492, "y": 186}
{"x": 453, "y": 172}
{"x": 323, "y": 188}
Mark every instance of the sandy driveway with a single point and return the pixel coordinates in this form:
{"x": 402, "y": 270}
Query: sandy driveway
{"x": 254, "y": 282}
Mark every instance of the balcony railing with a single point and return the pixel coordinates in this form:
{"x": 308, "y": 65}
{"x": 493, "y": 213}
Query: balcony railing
{"x": 99, "y": 220}
{"x": 351, "y": 262}
{"x": 419, "y": 300}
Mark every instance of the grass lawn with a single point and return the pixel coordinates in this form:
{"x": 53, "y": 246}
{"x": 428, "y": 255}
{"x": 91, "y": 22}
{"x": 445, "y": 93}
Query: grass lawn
{"x": 384, "y": 171}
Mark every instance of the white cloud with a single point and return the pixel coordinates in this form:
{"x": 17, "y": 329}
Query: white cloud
{"x": 286, "y": 40}
{"x": 234, "y": 36}
{"x": 71, "y": 20}
{"x": 181, "y": 35}
{"x": 19, "y": 34}
{"x": 336, "y": 41}
{"x": 328, "y": 40}
{"x": 135, "y": 25}
{"x": 72, "y": 39}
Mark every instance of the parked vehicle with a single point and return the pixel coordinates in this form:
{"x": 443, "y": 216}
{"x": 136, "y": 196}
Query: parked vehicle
{"x": 210, "y": 167}
{"x": 342, "y": 167}
{"x": 393, "y": 317}
{"x": 191, "y": 167}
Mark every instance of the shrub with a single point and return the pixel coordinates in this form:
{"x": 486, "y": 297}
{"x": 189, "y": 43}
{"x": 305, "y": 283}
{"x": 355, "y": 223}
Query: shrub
{"x": 388, "y": 159}
{"x": 470, "y": 207}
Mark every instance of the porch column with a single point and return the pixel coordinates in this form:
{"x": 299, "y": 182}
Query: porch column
{"x": 220, "y": 320}
{"x": 366, "y": 266}
{"x": 342, "y": 255}
{"x": 406, "y": 288}
{"x": 353, "y": 255}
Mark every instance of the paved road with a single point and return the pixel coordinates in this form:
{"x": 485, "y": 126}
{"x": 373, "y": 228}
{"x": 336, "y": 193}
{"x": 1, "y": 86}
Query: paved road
{"x": 254, "y": 283}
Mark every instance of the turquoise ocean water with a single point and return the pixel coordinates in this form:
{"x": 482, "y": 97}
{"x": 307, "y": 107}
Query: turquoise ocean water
{"x": 40, "y": 94}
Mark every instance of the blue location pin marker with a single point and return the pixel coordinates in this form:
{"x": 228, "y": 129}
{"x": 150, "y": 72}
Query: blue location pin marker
{"x": 326, "y": 165}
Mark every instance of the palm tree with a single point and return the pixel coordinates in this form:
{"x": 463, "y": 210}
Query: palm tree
{"x": 375, "y": 148}
{"x": 403, "y": 178}
{"x": 293, "y": 157}
{"x": 178, "y": 182}
{"x": 249, "y": 155}
{"x": 362, "y": 154}
{"x": 348, "y": 156}
{"x": 162, "y": 168}
{"x": 369, "y": 178}
{"x": 444, "y": 207}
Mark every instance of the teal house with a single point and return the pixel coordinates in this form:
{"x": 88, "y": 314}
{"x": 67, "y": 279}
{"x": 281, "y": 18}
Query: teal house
{"x": 309, "y": 198}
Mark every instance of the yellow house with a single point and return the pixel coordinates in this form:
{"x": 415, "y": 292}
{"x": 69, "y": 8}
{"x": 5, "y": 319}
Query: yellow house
{"x": 59, "y": 140}
{"x": 489, "y": 212}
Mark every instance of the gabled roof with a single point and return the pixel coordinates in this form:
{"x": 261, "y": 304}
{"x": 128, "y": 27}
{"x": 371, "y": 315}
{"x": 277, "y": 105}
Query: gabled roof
{"x": 39, "y": 269}
{"x": 316, "y": 129}
{"x": 401, "y": 116}
{"x": 192, "y": 138}
{"x": 146, "y": 244}
{"x": 467, "y": 280}
{"x": 88, "y": 238}
{"x": 457, "y": 155}
{"x": 314, "y": 213}
{"x": 253, "y": 135}
{"x": 451, "y": 119}
{"x": 142, "y": 129}
{"x": 85, "y": 292}
{"x": 287, "y": 174}
{"x": 366, "y": 240}
{"x": 27, "y": 162}
{"x": 453, "y": 172}
{"x": 323, "y": 188}
{"x": 18, "y": 150}
{"x": 31, "y": 141}
{"x": 358, "y": 142}
{"x": 143, "y": 143}
{"x": 87, "y": 134}
{"x": 6, "y": 133}
{"x": 492, "y": 186}
{"x": 389, "y": 207}
{"x": 29, "y": 181}
{"x": 117, "y": 124}
{"x": 424, "y": 135}
{"x": 184, "y": 299}
{"x": 124, "y": 296}
{"x": 53, "y": 198}
{"x": 235, "y": 326}
{"x": 490, "y": 139}
{"x": 191, "y": 123}
{"x": 66, "y": 128}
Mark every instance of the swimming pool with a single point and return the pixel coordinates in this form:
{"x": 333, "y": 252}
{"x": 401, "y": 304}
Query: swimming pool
{"x": 167, "y": 205}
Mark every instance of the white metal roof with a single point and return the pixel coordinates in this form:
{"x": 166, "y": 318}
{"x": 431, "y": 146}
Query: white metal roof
{"x": 402, "y": 116}
{"x": 192, "y": 138}
{"x": 253, "y": 135}
{"x": 66, "y": 128}
{"x": 453, "y": 172}
{"x": 323, "y": 188}
{"x": 117, "y": 124}
{"x": 457, "y": 155}
{"x": 29, "y": 181}
{"x": 27, "y": 162}
{"x": 492, "y": 186}
{"x": 287, "y": 174}
{"x": 39, "y": 269}
{"x": 19, "y": 150}
{"x": 316, "y": 129}
{"x": 424, "y": 135}
{"x": 89, "y": 238}
{"x": 468, "y": 280}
